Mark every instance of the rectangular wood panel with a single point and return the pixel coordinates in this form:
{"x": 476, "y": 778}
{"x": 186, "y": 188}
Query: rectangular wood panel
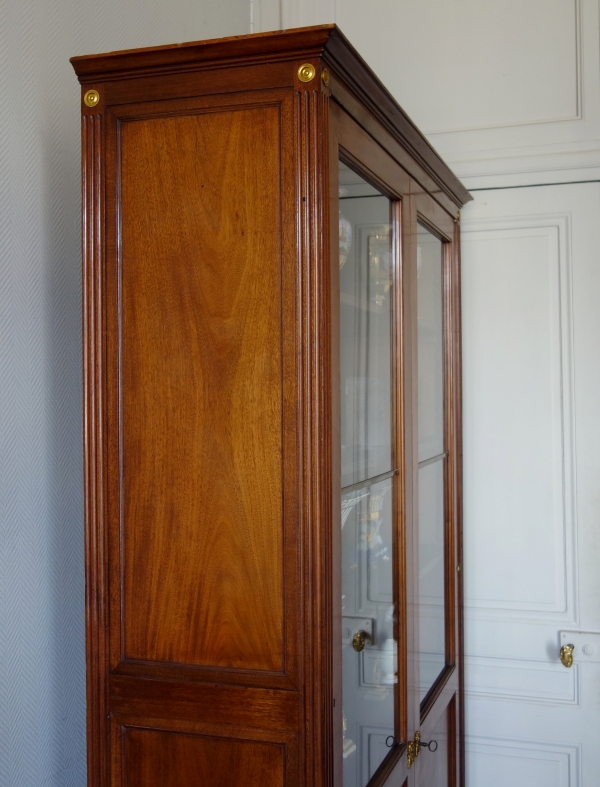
{"x": 201, "y": 389}
{"x": 155, "y": 758}
{"x": 436, "y": 764}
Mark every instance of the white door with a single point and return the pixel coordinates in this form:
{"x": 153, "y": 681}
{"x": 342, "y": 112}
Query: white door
{"x": 531, "y": 328}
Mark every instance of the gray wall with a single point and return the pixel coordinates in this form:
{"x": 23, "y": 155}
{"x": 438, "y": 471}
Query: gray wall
{"x": 42, "y": 671}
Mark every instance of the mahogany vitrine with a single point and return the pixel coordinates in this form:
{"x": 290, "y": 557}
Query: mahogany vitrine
{"x": 272, "y": 422}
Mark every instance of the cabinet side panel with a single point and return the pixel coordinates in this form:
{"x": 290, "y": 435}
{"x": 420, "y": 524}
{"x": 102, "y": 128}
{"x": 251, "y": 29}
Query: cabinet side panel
{"x": 175, "y": 759}
{"x": 201, "y": 389}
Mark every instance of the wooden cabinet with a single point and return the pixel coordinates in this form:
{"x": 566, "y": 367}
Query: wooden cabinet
{"x": 272, "y": 422}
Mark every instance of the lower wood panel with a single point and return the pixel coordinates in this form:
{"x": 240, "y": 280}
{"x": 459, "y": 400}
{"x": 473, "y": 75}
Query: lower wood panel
{"x": 150, "y": 752}
{"x": 168, "y": 759}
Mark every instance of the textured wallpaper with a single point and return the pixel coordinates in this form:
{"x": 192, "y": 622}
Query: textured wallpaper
{"x": 42, "y": 668}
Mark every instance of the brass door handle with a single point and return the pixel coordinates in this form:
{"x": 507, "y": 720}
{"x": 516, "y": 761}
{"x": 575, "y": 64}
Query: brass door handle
{"x": 566, "y": 655}
{"x": 359, "y": 640}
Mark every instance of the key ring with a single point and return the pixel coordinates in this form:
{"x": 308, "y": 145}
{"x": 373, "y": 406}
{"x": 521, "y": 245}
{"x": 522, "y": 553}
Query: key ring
{"x": 429, "y": 745}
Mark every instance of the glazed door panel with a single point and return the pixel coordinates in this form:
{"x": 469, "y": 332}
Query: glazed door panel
{"x": 370, "y": 619}
{"x": 368, "y": 480}
{"x": 432, "y": 286}
{"x": 432, "y": 453}
{"x": 408, "y": 514}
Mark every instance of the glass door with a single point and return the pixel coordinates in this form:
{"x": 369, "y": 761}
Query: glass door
{"x": 394, "y": 588}
{"x": 368, "y": 477}
{"x": 431, "y": 460}
{"x": 434, "y": 285}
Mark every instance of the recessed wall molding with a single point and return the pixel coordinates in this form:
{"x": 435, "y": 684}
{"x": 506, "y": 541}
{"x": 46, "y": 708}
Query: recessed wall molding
{"x": 534, "y": 761}
{"x": 540, "y": 682}
{"x": 373, "y": 748}
{"x": 531, "y": 251}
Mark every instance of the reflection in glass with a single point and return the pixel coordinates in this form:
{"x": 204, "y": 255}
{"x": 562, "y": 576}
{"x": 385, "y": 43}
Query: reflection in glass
{"x": 432, "y": 637}
{"x": 431, "y": 594}
{"x": 431, "y": 348}
{"x": 369, "y": 674}
{"x": 369, "y": 651}
{"x": 365, "y": 310}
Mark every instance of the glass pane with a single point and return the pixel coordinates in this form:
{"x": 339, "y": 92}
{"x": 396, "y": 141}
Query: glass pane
{"x": 369, "y": 651}
{"x": 432, "y": 631}
{"x": 365, "y": 342}
{"x": 430, "y": 312}
{"x": 369, "y": 674}
{"x": 431, "y": 347}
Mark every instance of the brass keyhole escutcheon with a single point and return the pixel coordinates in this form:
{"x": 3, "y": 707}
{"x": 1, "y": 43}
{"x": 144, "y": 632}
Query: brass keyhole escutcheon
{"x": 91, "y": 98}
{"x": 306, "y": 72}
{"x": 410, "y": 754}
{"x": 566, "y": 655}
{"x": 412, "y": 750}
{"x": 359, "y": 640}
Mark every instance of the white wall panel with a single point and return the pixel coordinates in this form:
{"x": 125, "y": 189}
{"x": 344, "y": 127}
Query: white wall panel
{"x": 518, "y": 420}
{"x": 531, "y": 328}
{"x": 497, "y": 762}
{"x": 42, "y": 694}
{"x": 474, "y": 93}
{"x": 520, "y": 679}
{"x": 508, "y": 92}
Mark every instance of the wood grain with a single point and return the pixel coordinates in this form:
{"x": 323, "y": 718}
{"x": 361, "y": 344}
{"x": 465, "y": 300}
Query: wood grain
{"x": 213, "y": 703}
{"x": 173, "y": 759}
{"x": 202, "y": 536}
{"x": 434, "y": 769}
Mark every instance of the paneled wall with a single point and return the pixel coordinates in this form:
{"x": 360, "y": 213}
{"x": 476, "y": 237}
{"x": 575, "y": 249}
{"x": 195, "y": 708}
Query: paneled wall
{"x": 42, "y": 699}
{"x": 508, "y": 92}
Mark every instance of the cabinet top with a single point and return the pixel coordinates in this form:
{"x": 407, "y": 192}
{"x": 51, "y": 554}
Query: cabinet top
{"x": 326, "y": 42}
{"x": 276, "y": 44}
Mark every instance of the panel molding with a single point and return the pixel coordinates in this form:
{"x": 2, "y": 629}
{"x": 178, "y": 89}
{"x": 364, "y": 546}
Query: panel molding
{"x": 558, "y": 228}
{"x": 371, "y": 737}
{"x": 543, "y": 151}
{"x": 566, "y": 756}
{"x": 242, "y": 740}
{"x": 537, "y": 676}
{"x": 578, "y": 115}
{"x": 284, "y": 674}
